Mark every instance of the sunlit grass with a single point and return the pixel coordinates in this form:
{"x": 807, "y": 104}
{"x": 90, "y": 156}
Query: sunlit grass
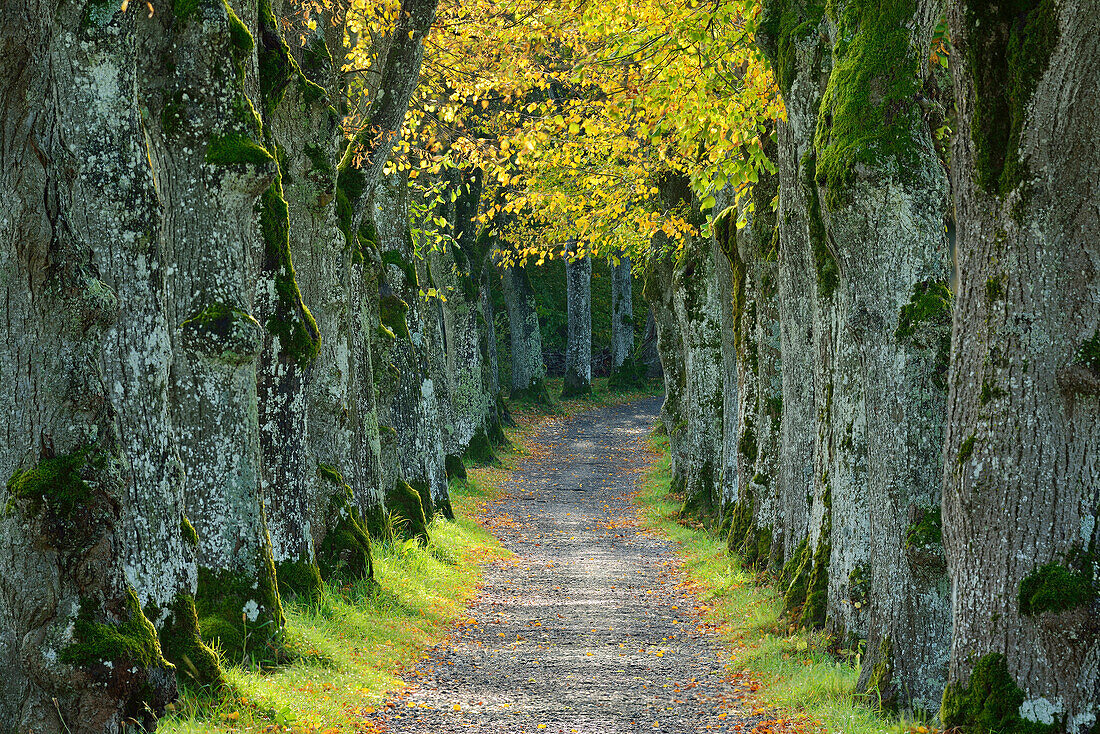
{"x": 795, "y": 672}
{"x": 352, "y": 646}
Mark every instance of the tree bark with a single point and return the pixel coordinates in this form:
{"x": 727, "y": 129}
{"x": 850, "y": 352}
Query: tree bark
{"x": 578, "y": 348}
{"x": 1021, "y": 495}
{"x": 212, "y": 168}
{"x": 883, "y": 201}
{"x": 93, "y": 527}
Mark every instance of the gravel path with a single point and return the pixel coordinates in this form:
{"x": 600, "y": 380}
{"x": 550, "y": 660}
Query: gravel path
{"x": 589, "y": 628}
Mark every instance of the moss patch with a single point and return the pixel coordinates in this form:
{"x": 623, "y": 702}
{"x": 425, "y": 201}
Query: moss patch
{"x": 345, "y": 551}
{"x": 796, "y": 577}
{"x": 1088, "y": 354}
{"x": 1008, "y": 47}
{"x": 925, "y": 323}
{"x": 1055, "y": 588}
{"x": 404, "y": 504}
{"x": 197, "y": 666}
{"x": 868, "y": 112}
{"x": 234, "y": 148}
{"x": 392, "y": 313}
{"x": 828, "y": 273}
{"x": 299, "y": 578}
{"x": 187, "y": 531}
{"x": 395, "y": 258}
{"x": 928, "y": 530}
{"x": 131, "y": 640}
{"x": 878, "y": 686}
{"x": 785, "y": 23}
{"x": 54, "y": 485}
{"x": 988, "y": 702}
{"x": 456, "y": 469}
{"x": 241, "y": 615}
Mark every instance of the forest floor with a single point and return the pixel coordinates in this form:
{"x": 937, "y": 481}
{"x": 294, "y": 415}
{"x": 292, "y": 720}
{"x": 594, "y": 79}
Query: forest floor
{"x": 590, "y": 626}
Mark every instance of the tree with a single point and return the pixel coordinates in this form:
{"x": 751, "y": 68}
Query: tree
{"x": 1020, "y": 492}
{"x": 578, "y": 351}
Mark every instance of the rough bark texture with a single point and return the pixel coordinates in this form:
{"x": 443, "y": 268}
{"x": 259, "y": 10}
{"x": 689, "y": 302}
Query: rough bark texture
{"x": 211, "y": 170}
{"x": 91, "y": 525}
{"x": 578, "y": 347}
{"x": 1021, "y": 493}
{"x": 407, "y": 399}
{"x": 729, "y": 489}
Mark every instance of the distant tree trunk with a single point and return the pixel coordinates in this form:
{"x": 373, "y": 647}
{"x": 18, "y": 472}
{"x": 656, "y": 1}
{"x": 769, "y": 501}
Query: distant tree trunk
{"x": 883, "y": 197}
{"x": 578, "y": 347}
{"x": 729, "y": 489}
{"x": 1021, "y": 494}
{"x": 212, "y": 170}
{"x": 488, "y": 276}
{"x": 622, "y": 312}
{"x": 93, "y": 526}
{"x": 528, "y": 369}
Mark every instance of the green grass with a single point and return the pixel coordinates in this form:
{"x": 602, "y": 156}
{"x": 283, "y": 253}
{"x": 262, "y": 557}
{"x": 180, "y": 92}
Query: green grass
{"x": 352, "y": 646}
{"x": 795, "y": 674}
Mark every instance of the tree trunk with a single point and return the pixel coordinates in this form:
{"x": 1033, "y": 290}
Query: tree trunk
{"x": 578, "y": 347}
{"x": 212, "y": 168}
{"x": 410, "y": 406}
{"x": 883, "y": 197}
{"x": 670, "y": 349}
{"x": 755, "y": 331}
{"x": 1021, "y": 495}
{"x": 730, "y": 485}
{"x": 528, "y": 369}
{"x": 622, "y": 312}
{"x": 93, "y": 530}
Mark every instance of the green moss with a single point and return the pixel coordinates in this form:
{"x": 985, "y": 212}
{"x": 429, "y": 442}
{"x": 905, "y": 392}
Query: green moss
{"x": 98, "y": 13}
{"x": 859, "y": 585}
{"x": 392, "y": 312}
{"x": 966, "y": 450}
{"x": 927, "y": 531}
{"x": 630, "y": 375}
{"x": 1088, "y": 354}
{"x": 536, "y": 394}
{"x": 54, "y": 485}
{"x": 796, "y": 577}
{"x": 574, "y": 385}
{"x": 747, "y": 443}
{"x": 784, "y": 24}
{"x": 241, "y": 615}
{"x": 773, "y": 406}
{"x": 455, "y": 467}
{"x": 828, "y": 274}
{"x": 300, "y": 578}
{"x": 925, "y": 323}
{"x": 990, "y": 392}
{"x": 291, "y": 321}
{"x": 878, "y": 686}
{"x": 817, "y": 590}
{"x": 740, "y": 536}
{"x": 196, "y": 664}
{"x": 395, "y": 258}
{"x": 222, "y": 332}
{"x": 480, "y": 449}
{"x": 240, "y": 38}
{"x": 1055, "y": 588}
{"x": 994, "y": 288}
{"x": 346, "y": 548}
{"x": 406, "y": 506}
{"x": 236, "y": 148}
{"x": 185, "y": 9}
{"x": 1007, "y": 48}
{"x": 868, "y": 112}
{"x": 276, "y": 65}
{"x": 131, "y": 640}
{"x": 187, "y": 530}
{"x": 989, "y": 702}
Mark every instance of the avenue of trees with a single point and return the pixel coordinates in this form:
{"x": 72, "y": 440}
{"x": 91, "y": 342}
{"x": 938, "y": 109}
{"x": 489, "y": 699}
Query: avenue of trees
{"x": 251, "y": 251}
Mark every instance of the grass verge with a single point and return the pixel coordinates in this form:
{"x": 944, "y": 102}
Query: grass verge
{"x": 353, "y": 645}
{"x": 787, "y": 671}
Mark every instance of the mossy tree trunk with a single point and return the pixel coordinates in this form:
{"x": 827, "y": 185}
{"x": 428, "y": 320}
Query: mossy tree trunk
{"x": 528, "y": 368}
{"x": 408, "y": 398}
{"x": 212, "y": 168}
{"x": 790, "y": 36}
{"x": 1021, "y": 495}
{"x": 883, "y": 201}
{"x": 729, "y": 489}
{"x": 755, "y": 333}
{"x": 578, "y": 346}
{"x": 91, "y": 529}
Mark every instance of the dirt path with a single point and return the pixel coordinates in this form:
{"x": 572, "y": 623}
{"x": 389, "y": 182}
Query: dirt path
{"x": 588, "y": 629}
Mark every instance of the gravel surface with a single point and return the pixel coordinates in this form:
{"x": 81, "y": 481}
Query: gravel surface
{"x": 590, "y": 627}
